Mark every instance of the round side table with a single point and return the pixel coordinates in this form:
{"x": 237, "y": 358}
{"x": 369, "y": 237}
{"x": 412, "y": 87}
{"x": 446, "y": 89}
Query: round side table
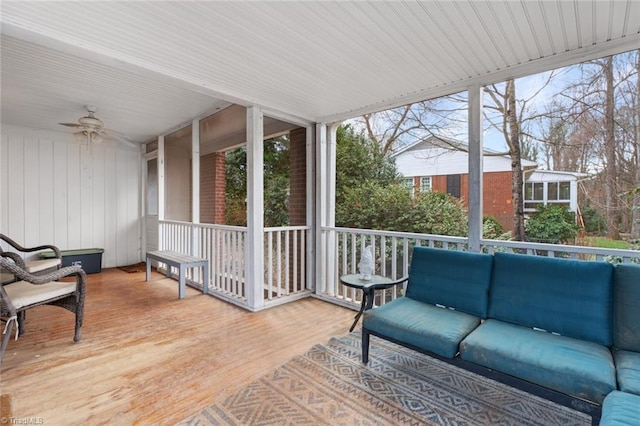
{"x": 376, "y": 282}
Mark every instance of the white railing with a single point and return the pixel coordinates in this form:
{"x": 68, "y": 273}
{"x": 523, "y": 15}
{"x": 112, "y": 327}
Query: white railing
{"x": 285, "y": 263}
{"x": 393, "y": 256}
{"x": 563, "y": 251}
{"x": 286, "y": 276}
{"x": 223, "y": 246}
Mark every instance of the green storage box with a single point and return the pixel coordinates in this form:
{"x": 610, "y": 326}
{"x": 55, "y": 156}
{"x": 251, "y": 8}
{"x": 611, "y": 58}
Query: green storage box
{"x": 88, "y": 259}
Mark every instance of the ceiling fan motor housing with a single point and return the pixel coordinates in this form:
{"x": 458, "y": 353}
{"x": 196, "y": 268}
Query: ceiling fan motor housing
{"x": 91, "y": 123}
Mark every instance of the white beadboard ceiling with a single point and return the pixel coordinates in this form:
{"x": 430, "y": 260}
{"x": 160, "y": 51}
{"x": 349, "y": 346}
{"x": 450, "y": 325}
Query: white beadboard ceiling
{"x": 152, "y": 66}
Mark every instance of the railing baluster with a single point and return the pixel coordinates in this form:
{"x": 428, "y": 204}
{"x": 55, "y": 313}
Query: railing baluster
{"x": 287, "y": 264}
{"x": 279, "y": 262}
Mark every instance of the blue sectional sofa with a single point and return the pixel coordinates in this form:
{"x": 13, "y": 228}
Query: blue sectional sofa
{"x": 568, "y": 330}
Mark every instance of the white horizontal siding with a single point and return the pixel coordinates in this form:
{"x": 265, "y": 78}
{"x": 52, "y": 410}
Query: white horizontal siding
{"x": 54, "y": 191}
{"x": 438, "y": 161}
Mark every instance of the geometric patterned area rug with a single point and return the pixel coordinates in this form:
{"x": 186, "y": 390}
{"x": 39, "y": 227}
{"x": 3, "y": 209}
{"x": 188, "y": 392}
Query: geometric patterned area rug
{"x": 329, "y": 385}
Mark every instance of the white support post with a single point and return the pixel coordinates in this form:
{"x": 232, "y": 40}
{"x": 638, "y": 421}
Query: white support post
{"x": 475, "y": 167}
{"x": 255, "y": 208}
{"x": 161, "y": 193}
{"x": 573, "y": 197}
{"x": 330, "y": 202}
{"x": 321, "y": 207}
{"x": 311, "y": 205}
{"x": 195, "y": 186}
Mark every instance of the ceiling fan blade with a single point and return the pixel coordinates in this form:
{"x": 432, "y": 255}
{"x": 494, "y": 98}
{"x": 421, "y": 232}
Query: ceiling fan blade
{"x": 70, "y": 124}
{"x": 121, "y": 138}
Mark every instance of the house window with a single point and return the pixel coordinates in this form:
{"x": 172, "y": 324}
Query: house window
{"x": 425, "y": 184}
{"x": 533, "y": 195}
{"x": 453, "y": 185}
{"x": 559, "y": 191}
{"x": 408, "y": 183}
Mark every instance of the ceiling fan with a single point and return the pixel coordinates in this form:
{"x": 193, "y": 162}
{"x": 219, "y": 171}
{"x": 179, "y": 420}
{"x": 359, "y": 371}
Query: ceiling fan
{"x": 91, "y": 129}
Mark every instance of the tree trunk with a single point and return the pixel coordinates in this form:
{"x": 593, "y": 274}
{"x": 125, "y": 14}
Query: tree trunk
{"x": 635, "y": 212}
{"x": 611, "y": 174}
{"x": 516, "y": 163}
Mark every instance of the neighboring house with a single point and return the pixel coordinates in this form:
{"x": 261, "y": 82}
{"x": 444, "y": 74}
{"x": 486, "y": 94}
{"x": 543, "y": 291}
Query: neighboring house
{"x": 440, "y": 164}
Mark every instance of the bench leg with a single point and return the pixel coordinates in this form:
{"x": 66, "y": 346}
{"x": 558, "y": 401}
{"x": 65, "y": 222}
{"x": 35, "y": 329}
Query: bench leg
{"x": 205, "y": 279}
{"x": 148, "y": 274}
{"x": 365, "y": 346}
{"x": 181, "y": 281}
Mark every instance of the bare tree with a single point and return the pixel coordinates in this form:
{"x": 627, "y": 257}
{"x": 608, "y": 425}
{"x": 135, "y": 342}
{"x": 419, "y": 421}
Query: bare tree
{"x": 606, "y": 95}
{"x": 394, "y": 128}
{"x": 610, "y": 151}
{"x": 635, "y": 223}
{"x": 510, "y": 119}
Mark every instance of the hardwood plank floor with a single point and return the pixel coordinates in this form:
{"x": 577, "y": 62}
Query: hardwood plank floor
{"x": 147, "y": 357}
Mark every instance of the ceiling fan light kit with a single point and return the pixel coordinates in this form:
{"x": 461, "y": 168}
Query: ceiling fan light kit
{"x": 91, "y": 128}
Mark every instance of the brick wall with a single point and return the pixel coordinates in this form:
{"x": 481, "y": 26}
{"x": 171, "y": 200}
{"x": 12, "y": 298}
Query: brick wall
{"x": 298, "y": 193}
{"x": 298, "y": 178}
{"x": 212, "y": 188}
{"x": 496, "y": 199}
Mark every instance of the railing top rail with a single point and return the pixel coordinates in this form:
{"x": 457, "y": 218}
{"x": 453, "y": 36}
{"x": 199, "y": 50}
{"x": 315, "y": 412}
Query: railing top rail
{"x": 287, "y": 228}
{"x": 601, "y": 252}
{"x": 562, "y": 247}
{"x": 205, "y": 225}
{"x": 445, "y": 238}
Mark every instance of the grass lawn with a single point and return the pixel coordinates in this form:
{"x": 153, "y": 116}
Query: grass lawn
{"x": 604, "y": 242}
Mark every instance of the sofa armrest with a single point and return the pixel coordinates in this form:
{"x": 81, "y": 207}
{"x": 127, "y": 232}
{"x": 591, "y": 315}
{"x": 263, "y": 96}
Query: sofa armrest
{"x": 370, "y": 290}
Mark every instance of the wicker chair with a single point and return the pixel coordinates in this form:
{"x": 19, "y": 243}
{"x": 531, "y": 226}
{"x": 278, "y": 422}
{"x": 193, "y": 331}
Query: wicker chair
{"x": 35, "y": 290}
{"x": 35, "y": 266}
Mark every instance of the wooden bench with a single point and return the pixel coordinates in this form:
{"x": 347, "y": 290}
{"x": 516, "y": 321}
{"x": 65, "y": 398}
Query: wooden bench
{"x": 182, "y": 262}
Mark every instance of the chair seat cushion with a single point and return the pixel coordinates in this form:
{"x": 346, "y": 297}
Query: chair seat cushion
{"x": 620, "y": 409}
{"x": 23, "y": 294}
{"x": 575, "y": 367}
{"x": 628, "y": 371}
{"x": 425, "y": 326}
{"x": 32, "y": 266}
{"x": 6, "y": 276}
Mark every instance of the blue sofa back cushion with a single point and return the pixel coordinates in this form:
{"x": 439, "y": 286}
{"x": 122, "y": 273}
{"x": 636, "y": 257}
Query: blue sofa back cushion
{"x": 626, "y": 311}
{"x": 454, "y": 279}
{"x": 571, "y": 297}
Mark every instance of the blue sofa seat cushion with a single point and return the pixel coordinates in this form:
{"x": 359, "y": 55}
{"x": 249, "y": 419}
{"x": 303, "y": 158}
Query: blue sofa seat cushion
{"x": 575, "y": 367}
{"x": 628, "y": 371}
{"x": 424, "y": 326}
{"x": 626, "y": 294}
{"x": 454, "y": 279}
{"x": 620, "y": 409}
{"x": 571, "y": 297}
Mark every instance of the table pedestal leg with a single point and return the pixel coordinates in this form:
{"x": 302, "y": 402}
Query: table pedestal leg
{"x": 359, "y": 314}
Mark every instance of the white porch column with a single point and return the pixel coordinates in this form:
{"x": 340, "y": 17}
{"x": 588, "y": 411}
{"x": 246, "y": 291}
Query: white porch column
{"x": 195, "y": 186}
{"x": 161, "y": 186}
{"x": 321, "y": 208}
{"x": 255, "y": 209}
{"x": 326, "y": 279}
{"x": 332, "y": 275}
{"x": 475, "y": 167}
{"x": 311, "y": 208}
